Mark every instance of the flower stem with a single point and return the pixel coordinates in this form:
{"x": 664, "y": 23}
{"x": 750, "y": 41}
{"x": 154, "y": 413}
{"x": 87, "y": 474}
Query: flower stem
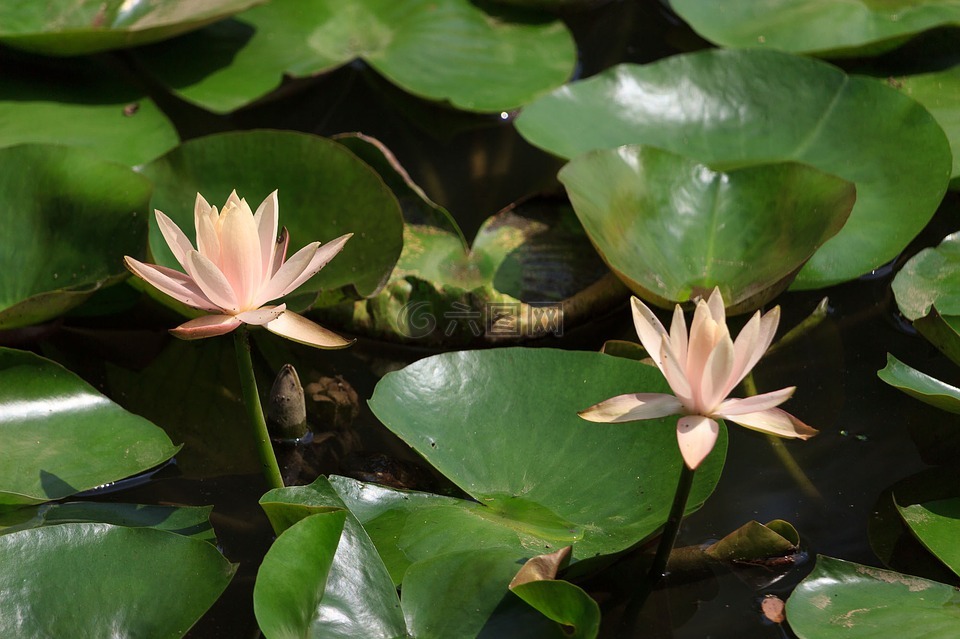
{"x": 251, "y": 401}
{"x": 789, "y": 463}
{"x": 672, "y": 527}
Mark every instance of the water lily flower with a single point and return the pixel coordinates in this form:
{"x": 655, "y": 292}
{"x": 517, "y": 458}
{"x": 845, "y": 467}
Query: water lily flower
{"x": 702, "y": 369}
{"x": 239, "y": 266}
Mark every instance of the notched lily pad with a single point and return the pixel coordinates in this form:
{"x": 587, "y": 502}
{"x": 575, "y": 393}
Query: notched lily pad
{"x": 324, "y": 192}
{"x": 75, "y": 27}
{"x": 673, "y": 228}
{"x": 60, "y": 436}
{"x": 811, "y": 26}
{"x": 437, "y": 49}
{"x": 747, "y": 107}
{"x": 69, "y": 218}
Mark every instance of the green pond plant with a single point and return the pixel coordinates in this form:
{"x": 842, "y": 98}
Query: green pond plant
{"x": 702, "y": 368}
{"x": 239, "y": 265}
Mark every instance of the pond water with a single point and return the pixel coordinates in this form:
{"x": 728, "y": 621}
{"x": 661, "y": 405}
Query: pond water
{"x": 474, "y": 166}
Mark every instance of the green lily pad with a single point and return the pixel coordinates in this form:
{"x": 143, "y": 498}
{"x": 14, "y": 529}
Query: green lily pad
{"x": 920, "y": 385}
{"x": 190, "y": 521}
{"x": 741, "y": 108}
{"x": 939, "y": 92}
{"x": 844, "y": 599}
{"x": 83, "y": 104}
{"x": 69, "y": 27}
{"x": 937, "y": 525}
{"x": 60, "y": 436}
{"x": 754, "y": 541}
{"x": 813, "y": 26}
{"x": 673, "y": 229}
{"x": 517, "y": 445}
{"x": 558, "y": 600}
{"x": 132, "y": 582}
{"x": 437, "y": 49}
{"x": 931, "y": 278}
{"x": 943, "y": 331}
{"x": 324, "y": 192}
{"x": 69, "y": 217}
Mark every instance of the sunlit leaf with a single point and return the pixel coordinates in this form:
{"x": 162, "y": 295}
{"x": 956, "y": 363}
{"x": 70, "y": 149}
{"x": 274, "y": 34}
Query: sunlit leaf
{"x": 920, "y": 385}
{"x": 937, "y": 525}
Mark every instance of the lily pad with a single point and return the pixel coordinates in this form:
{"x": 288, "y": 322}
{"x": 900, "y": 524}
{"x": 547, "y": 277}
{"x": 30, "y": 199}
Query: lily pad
{"x": 813, "y": 26}
{"x": 920, "y": 385}
{"x": 931, "y": 278}
{"x": 324, "y": 192}
{"x": 69, "y": 27}
{"x": 190, "y": 521}
{"x": 937, "y": 525}
{"x": 741, "y": 108}
{"x": 559, "y": 600}
{"x": 134, "y": 582}
{"x": 939, "y": 92}
{"x": 69, "y": 218}
{"x": 754, "y": 541}
{"x": 518, "y": 447}
{"x": 60, "y": 436}
{"x": 673, "y": 229}
{"x": 83, "y": 104}
{"x": 844, "y": 599}
{"x": 437, "y": 49}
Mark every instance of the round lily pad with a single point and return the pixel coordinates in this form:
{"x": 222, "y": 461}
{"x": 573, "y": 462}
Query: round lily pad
{"x": 72, "y": 27}
{"x": 69, "y": 218}
{"x": 740, "y": 108}
{"x": 673, "y": 229}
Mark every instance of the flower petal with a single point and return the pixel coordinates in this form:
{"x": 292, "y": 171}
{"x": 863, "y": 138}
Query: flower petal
{"x": 674, "y": 373}
{"x": 300, "y": 329}
{"x": 211, "y": 281}
{"x": 172, "y": 283}
{"x": 649, "y": 329}
{"x": 266, "y": 221}
{"x": 696, "y": 435}
{"x": 702, "y": 330}
{"x": 301, "y": 266}
{"x": 176, "y": 239}
{"x": 261, "y": 316}
{"x": 241, "y": 260}
{"x": 752, "y": 342}
{"x": 678, "y": 334}
{"x": 632, "y": 407}
{"x": 716, "y": 373}
{"x": 776, "y": 422}
{"x": 206, "y": 326}
{"x": 280, "y": 251}
{"x": 206, "y": 220}
{"x": 715, "y": 304}
{"x": 732, "y": 407}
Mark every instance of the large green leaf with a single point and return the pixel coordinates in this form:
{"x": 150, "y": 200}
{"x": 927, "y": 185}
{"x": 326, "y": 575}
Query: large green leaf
{"x": 673, "y": 228}
{"x": 59, "y": 436}
{"x": 848, "y": 600}
{"x": 324, "y": 192}
{"x": 68, "y": 219}
{"x": 72, "y": 27}
{"x": 99, "y": 580}
{"x": 937, "y": 525}
{"x": 82, "y": 104}
{"x": 502, "y": 424}
{"x": 437, "y": 49}
{"x": 939, "y": 92}
{"x": 814, "y": 26}
{"x": 920, "y": 385}
{"x": 737, "y": 108}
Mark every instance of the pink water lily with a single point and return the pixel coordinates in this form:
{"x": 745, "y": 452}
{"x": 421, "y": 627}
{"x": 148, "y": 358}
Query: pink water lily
{"x": 239, "y": 266}
{"x": 702, "y": 369}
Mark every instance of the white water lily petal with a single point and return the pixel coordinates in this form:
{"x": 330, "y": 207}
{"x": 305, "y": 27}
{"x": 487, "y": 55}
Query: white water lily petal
{"x": 172, "y": 283}
{"x": 208, "y": 238}
{"x": 649, "y": 329}
{"x": 717, "y": 311}
{"x": 240, "y": 254}
{"x": 287, "y": 273}
{"x": 678, "y": 334}
{"x": 730, "y": 408}
{"x": 324, "y": 254}
{"x": 716, "y": 372}
{"x": 702, "y": 331}
{"x": 696, "y": 435}
{"x": 744, "y": 349}
{"x": 211, "y": 281}
{"x": 675, "y": 375}
{"x": 300, "y": 329}
{"x": 776, "y": 422}
{"x": 266, "y": 221}
{"x": 280, "y": 251}
{"x": 175, "y": 238}
{"x": 632, "y": 407}
{"x": 206, "y": 326}
{"x": 262, "y": 315}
